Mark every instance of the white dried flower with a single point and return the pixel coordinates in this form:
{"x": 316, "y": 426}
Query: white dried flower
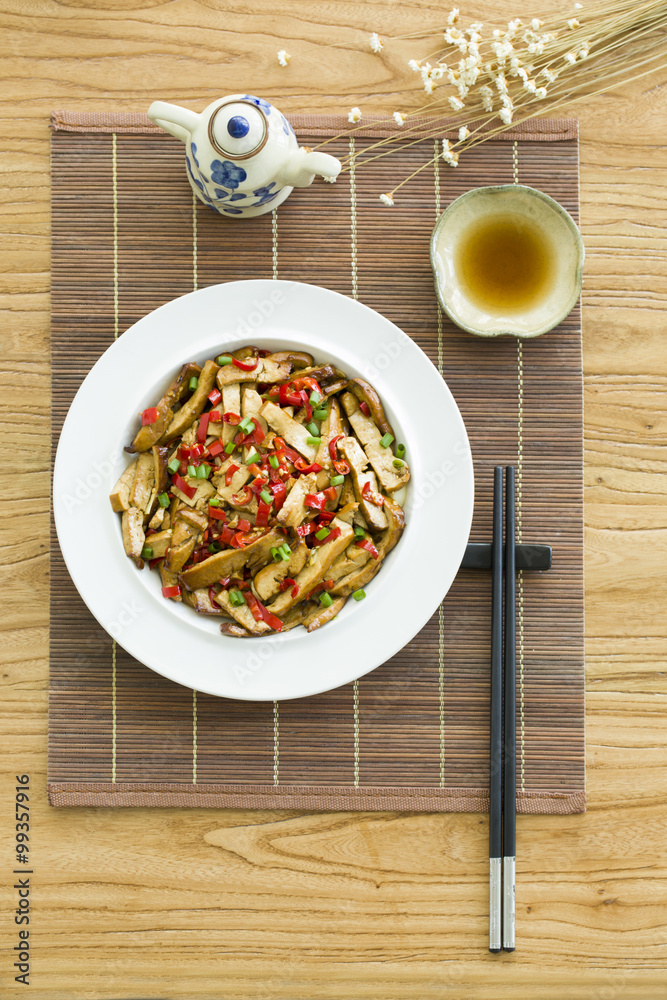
{"x": 425, "y": 70}
{"x": 505, "y": 115}
{"x": 464, "y": 133}
{"x": 536, "y": 24}
{"x": 549, "y": 76}
{"x": 584, "y": 51}
{"x": 329, "y": 180}
{"x": 451, "y": 159}
{"x": 456, "y": 104}
{"x": 541, "y": 93}
{"x": 454, "y": 36}
{"x": 475, "y": 27}
{"x": 515, "y": 66}
{"x": 438, "y": 72}
{"x": 386, "y": 199}
{"x": 453, "y": 15}
{"x": 506, "y": 101}
{"x": 446, "y": 146}
{"x": 414, "y": 65}
{"x": 376, "y": 42}
{"x": 463, "y": 90}
{"x": 283, "y": 57}
{"x": 522, "y": 74}
{"x": 487, "y": 98}
{"x": 354, "y": 115}
{"x": 570, "y": 58}
{"x": 578, "y": 6}
{"x": 399, "y": 118}
{"x": 536, "y": 48}
{"x": 429, "y": 86}
{"x": 573, "y": 23}
{"x": 501, "y": 83}
{"x": 530, "y": 86}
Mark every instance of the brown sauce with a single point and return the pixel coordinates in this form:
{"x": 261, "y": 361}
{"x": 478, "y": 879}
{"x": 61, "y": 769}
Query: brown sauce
{"x": 504, "y": 263}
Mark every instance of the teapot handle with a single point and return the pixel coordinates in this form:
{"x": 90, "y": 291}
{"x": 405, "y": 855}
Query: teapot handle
{"x": 304, "y": 165}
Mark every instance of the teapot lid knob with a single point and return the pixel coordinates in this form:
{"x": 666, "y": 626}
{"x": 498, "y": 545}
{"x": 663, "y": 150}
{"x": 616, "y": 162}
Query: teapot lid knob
{"x": 238, "y": 126}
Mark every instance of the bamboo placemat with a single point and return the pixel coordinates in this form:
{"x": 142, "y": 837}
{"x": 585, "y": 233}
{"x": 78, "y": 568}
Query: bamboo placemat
{"x": 413, "y": 735}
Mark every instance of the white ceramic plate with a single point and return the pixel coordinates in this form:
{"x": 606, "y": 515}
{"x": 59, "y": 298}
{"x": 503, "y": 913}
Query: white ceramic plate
{"x": 171, "y": 638}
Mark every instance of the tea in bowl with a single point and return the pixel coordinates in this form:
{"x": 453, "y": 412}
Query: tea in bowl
{"x": 507, "y": 260}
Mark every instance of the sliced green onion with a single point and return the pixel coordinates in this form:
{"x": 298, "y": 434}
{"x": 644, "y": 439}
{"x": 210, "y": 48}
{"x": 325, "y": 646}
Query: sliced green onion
{"x": 236, "y": 598}
{"x": 229, "y": 448}
{"x": 400, "y": 451}
{"x": 387, "y": 440}
{"x": 313, "y": 428}
{"x": 358, "y": 595}
{"x": 223, "y": 359}
{"x": 359, "y": 533}
{"x": 147, "y": 552}
{"x": 203, "y": 471}
{"x": 322, "y": 534}
{"x": 247, "y": 424}
{"x": 326, "y": 600}
{"x": 214, "y": 502}
{"x": 253, "y": 458}
{"x": 275, "y": 555}
{"x": 315, "y": 442}
{"x": 192, "y": 471}
{"x": 336, "y": 480}
{"x": 398, "y": 463}
{"x": 285, "y": 553}
{"x": 266, "y": 496}
{"x": 174, "y": 465}
{"x": 194, "y": 382}
{"x": 274, "y": 462}
{"x": 320, "y": 414}
{"x": 214, "y": 547}
{"x": 315, "y": 397}
{"x": 163, "y": 500}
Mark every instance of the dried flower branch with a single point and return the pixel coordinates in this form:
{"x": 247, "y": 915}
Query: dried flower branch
{"x": 488, "y": 78}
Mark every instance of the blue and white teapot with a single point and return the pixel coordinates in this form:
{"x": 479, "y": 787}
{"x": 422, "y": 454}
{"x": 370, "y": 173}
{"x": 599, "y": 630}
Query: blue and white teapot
{"x": 242, "y": 155}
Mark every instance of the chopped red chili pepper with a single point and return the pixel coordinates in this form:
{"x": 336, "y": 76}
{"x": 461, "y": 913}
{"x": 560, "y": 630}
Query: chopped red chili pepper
{"x": 154, "y": 562}
{"x": 215, "y": 396}
{"x": 258, "y": 609}
{"x": 224, "y": 582}
{"x": 330, "y": 493}
{"x": 215, "y": 416}
{"x": 217, "y": 514}
{"x": 181, "y": 484}
{"x": 289, "y": 582}
{"x": 197, "y": 451}
{"x": 325, "y": 585}
{"x": 246, "y": 366}
{"x": 244, "y": 525}
{"x": 307, "y": 382}
{"x": 279, "y": 445}
{"x": 171, "y": 591}
{"x": 302, "y": 466}
{"x": 316, "y": 501}
{"x": 212, "y": 596}
{"x": 243, "y": 498}
{"x": 226, "y": 534}
{"x": 307, "y": 528}
{"x": 326, "y": 516}
{"x": 231, "y": 418}
{"x": 255, "y": 469}
{"x": 258, "y": 434}
{"x": 202, "y": 429}
{"x": 287, "y": 397}
{"x": 365, "y": 408}
{"x": 229, "y": 473}
{"x": 332, "y": 536}
{"x": 365, "y": 543}
{"x": 149, "y": 416}
{"x": 216, "y": 448}
{"x": 262, "y": 516}
{"x": 279, "y": 491}
{"x": 341, "y": 467}
{"x": 369, "y": 494}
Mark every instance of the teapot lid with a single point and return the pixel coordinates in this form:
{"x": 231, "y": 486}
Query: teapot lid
{"x": 238, "y": 129}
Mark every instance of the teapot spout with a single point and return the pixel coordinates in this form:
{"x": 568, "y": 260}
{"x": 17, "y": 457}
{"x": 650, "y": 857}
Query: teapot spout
{"x": 179, "y": 122}
{"x": 304, "y": 164}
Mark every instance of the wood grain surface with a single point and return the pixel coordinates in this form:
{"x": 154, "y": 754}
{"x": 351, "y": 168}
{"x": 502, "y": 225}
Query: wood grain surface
{"x": 180, "y": 904}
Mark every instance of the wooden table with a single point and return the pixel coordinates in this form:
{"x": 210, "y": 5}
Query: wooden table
{"x": 211, "y": 904}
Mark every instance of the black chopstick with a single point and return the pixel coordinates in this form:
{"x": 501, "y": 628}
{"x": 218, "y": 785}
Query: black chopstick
{"x": 496, "y": 774}
{"x": 509, "y": 698}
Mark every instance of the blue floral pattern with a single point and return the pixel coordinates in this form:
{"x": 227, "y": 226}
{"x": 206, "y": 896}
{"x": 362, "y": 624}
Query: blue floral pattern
{"x": 265, "y": 194}
{"x": 287, "y": 128}
{"x": 262, "y": 105}
{"x": 227, "y": 174}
